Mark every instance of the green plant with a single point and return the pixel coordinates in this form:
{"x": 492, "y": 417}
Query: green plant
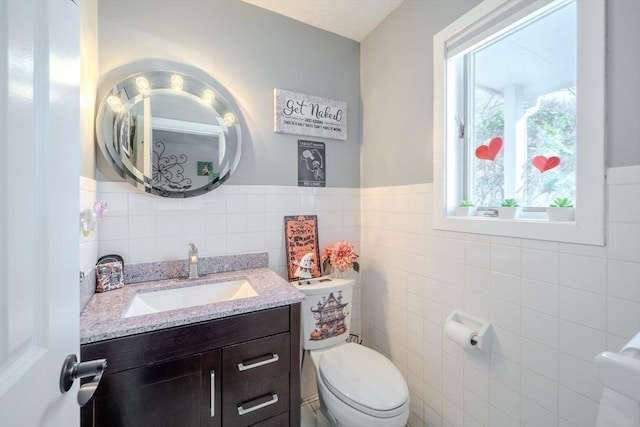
{"x": 510, "y": 203}
{"x": 464, "y": 203}
{"x": 562, "y": 202}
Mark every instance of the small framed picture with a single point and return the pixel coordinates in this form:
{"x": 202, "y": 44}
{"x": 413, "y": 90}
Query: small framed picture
{"x": 205, "y": 168}
{"x": 312, "y": 164}
{"x": 301, "y": 238}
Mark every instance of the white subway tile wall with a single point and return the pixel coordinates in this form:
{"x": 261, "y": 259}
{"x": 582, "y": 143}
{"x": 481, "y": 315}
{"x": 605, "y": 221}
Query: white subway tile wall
{"x": 88, "y": 244}
{"x": 233, "y": 219}
{"x": 553, "y": 307}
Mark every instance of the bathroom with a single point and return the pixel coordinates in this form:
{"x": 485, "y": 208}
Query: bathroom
{"x": 553, "y": 305}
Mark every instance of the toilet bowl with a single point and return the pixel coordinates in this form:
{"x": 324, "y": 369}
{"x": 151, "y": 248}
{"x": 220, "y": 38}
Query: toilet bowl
{"x": 357, "y": 386}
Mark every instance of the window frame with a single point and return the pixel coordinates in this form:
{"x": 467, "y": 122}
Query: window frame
{"x": 588, "y": 227}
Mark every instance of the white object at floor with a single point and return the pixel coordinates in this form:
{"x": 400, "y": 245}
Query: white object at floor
{"x": 620, "y": 374}
{"x": 357, "y": 386}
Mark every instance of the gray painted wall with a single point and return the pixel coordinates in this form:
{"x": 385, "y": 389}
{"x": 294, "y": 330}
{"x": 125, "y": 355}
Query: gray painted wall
{"x": 396, "y": 85}
{"x": 250, "y": 51}
{"x": 396, "y": 81}
{"x": 623, "y": 82}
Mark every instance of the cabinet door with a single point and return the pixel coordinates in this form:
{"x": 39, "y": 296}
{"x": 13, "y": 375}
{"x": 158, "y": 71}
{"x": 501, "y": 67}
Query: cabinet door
{"x": 211, "y": 403}
{"x": 177, "y": 393}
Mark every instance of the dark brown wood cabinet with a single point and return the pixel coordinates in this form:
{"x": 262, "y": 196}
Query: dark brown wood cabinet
{"x": 236, "y": 371}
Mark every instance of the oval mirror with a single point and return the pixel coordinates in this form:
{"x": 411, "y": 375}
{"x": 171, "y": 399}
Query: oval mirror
{"x": 168, "y": 133}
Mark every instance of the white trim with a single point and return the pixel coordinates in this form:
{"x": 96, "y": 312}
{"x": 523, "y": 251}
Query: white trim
{"x": 501, "y": 17}
{"x": 590, "y": 170}
{"x": 88, "y": 184}
{"x": 183, "y": 126}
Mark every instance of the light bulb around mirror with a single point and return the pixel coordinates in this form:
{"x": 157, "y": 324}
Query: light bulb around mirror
{"x": 114, "y": 102}
{"x": 176, "y": 82}
{"x": 229, "y": 119}
{"x": 208, "y": 96}
{"x": 143, "y": 84}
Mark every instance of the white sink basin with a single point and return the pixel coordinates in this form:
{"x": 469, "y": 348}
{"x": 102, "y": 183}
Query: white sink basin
{"x": 189, "y": 296}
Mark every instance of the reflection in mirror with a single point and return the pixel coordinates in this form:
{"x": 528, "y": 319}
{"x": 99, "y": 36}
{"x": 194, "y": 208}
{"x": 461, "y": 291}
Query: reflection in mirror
{"x": 168, "y": 133}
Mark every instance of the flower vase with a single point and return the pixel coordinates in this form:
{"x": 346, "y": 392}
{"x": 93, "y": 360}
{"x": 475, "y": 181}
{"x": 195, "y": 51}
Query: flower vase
{"x": 337, "y": 274}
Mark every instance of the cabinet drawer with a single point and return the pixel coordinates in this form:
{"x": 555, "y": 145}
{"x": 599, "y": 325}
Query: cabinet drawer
{"x": 260, "y": 358}
{"x": 281, "y": 420}
{"x": 246, "y": 403}
{"x": 158, "y": 346}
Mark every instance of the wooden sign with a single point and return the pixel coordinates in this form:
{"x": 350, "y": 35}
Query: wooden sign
{"x": 300, "y": 114}
{"x": 301, "y": 238}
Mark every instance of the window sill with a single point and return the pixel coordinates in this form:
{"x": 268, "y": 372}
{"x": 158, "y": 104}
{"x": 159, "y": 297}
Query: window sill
{"x": 530, "y": 213}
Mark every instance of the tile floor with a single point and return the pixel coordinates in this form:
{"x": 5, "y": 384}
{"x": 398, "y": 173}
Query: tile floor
{"x": 311, "y": 415}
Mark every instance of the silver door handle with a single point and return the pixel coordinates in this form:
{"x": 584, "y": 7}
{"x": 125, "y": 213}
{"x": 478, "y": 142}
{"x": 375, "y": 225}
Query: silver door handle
{"x": 72, "y": 370}
{"x": 243, "y": 411}
{"x": 242, "y": 367}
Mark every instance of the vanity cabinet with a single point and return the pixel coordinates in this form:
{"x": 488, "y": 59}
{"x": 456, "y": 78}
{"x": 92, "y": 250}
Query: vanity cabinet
{"x": 240, "y": 371}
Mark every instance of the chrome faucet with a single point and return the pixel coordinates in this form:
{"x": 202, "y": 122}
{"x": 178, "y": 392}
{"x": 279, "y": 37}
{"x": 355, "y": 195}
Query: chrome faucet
{"x": 193, "y": 261}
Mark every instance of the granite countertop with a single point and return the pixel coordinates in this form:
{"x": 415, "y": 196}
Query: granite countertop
{"x": 102, "y": 318}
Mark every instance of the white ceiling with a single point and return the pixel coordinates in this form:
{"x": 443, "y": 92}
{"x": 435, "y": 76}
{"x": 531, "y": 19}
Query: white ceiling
{"x": 353, "y": 19}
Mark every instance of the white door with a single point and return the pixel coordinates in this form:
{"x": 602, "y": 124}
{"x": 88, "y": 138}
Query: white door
{"x": 39, "y": 209}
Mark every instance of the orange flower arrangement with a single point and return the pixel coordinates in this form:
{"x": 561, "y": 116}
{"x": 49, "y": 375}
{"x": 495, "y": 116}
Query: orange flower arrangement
{"x": 340, "y": 255}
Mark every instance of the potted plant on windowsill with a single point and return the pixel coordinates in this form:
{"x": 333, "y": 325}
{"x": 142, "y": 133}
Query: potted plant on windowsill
{"x": 561, "y": 210}
{"x": 465, "y": 208}
{"x": 509, "y": 209}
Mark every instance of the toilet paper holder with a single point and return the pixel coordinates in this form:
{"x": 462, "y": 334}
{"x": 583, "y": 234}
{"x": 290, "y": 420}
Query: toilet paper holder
{"x": 480, "y": 339}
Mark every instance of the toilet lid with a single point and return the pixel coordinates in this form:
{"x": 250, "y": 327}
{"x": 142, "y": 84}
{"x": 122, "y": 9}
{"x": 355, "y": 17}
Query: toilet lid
{"x": 364, "y": 379}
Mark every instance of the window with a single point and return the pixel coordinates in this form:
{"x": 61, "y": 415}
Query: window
{"x": 519, "y": 113}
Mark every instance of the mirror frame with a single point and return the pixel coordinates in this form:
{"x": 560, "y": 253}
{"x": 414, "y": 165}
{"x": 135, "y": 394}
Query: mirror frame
{"x": 113, "y": 161}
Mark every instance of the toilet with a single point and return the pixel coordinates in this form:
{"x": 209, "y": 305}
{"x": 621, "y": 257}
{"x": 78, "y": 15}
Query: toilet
{"x": 357, "y": 386}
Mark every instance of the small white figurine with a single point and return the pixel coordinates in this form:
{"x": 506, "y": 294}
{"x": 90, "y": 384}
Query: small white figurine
{"x": 304, "y": 266}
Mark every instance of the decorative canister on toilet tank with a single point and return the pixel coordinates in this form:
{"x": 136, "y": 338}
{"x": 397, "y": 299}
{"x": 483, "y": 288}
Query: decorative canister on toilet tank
{"x": 326, "y": 311}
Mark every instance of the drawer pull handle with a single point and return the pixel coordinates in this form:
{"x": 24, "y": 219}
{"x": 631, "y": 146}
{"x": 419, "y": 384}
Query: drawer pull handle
{"x": 243, "y": 411}
{"x": 212, "y": 374}
{"x": 242, "y": 367}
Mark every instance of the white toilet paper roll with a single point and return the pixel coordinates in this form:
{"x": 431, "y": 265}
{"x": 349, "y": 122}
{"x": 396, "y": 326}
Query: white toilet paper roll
{"x": 460, "y": 334}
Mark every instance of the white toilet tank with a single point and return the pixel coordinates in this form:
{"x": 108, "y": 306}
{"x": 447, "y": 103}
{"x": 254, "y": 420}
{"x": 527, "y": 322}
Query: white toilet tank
{"x": 326, "y": 311}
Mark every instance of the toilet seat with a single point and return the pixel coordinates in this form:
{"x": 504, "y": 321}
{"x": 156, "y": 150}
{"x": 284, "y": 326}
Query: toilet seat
{"x": 364, "y": 379}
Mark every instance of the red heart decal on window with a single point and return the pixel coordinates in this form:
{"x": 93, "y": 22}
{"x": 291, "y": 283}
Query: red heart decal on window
{"x": 543, "y": 164}
{"x": 489, "y": 152}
